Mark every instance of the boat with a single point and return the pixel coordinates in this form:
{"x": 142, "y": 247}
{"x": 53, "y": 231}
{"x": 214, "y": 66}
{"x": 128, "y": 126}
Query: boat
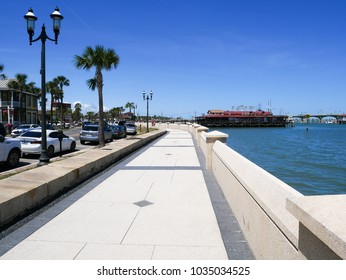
{"x": 242, "y": 118}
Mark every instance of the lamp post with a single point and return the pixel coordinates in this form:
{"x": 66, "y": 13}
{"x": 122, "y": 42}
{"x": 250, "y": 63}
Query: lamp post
{"x": 30, "y": 19}
{"x": 148, "y": 97}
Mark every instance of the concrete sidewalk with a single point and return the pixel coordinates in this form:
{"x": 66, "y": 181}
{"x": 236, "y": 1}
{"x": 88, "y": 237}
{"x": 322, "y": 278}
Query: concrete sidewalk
{"x": 153, "y": 205}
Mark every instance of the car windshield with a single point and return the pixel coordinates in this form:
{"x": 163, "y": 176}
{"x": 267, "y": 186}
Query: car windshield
{"x": 35, "y": 134}
{"x": 91, "y": 128}
{"x": 23, "y": 126}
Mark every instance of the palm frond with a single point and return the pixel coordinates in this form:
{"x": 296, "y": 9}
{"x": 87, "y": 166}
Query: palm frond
{"x": 92, "y": 83}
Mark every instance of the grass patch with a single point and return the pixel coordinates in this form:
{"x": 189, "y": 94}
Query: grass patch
{"x": 143, "y": 130}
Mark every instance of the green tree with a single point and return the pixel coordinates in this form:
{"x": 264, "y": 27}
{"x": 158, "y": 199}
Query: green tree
{"x": 100, "y": 59}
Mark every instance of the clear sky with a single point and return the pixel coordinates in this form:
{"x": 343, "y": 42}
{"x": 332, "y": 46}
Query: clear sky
{"x": 194, "y": 55}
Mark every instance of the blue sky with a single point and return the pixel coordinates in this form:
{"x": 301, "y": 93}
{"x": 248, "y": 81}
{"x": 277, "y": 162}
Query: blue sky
{"x": 194, "y": 55}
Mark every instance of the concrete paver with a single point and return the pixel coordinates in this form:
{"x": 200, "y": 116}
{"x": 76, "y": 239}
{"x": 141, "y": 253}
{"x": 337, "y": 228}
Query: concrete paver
{"x": 155, "y": 206}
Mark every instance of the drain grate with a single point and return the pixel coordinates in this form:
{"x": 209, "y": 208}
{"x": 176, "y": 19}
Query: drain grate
{"x": 143, "y": 203}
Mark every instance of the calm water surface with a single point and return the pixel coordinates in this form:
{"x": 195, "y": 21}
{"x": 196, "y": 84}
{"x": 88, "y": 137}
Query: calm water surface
{"x": 313, "y": 162}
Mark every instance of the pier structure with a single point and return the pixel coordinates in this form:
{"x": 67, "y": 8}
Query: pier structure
{"x": 169, "y": 214}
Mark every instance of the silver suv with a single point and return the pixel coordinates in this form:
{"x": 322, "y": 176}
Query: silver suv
{"x": 90, "y": 133}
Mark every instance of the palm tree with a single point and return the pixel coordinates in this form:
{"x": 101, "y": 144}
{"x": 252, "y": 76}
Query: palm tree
{"x": 20, "y": 84}
{"x": 77, "y": 113}
{"x": 37, "y": 91}
{"x": 119, "y": 111}
{"x": 91, "y": 116}
{"x": 130, "y": 105}
{"x": 101, "y": 59}
{"x": 2, "y": 76}
{"x": 61, "y": 81}
{"x": 50, "y": 89}
{"x": 31, "y": 87}
{"x": 113, "y": 114}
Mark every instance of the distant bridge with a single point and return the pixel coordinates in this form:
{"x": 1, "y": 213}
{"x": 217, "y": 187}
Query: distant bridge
{"x": 340, "y": 118}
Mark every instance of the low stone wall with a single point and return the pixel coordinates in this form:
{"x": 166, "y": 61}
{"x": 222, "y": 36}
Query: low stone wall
{"x": 26, "y": 190}
{"x": 278, "y": 221}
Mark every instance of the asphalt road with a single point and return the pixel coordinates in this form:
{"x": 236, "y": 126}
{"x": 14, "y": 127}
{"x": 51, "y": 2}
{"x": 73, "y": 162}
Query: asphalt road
{"x": 29, "y": 159}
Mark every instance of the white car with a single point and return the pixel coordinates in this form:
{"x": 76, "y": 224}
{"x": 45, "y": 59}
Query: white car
{"x": 32, "y": 140}
{"x": 23, "y": 128}
{"x": 10, "y": 151}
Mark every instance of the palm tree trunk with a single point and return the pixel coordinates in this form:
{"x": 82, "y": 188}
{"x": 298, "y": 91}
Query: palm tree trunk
{"x": 20, "y": 107}
{"x": 51, "y": 107}
{"x": 99, "y": 87}
{"x": 62, "y": 112}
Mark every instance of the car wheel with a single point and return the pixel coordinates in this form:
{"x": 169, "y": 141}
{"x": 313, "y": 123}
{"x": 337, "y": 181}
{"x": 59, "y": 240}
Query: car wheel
{"x": 82, "y": 142}
{"x": 50, "y": 151}
{"x": 73, "y": 146}
{"x": 111, "y": 140}
{"x": 13, "y": 158}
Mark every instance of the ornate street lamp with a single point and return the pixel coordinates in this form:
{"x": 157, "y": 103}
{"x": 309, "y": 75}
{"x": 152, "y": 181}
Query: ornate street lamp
{"x": 30, "y": 19}
{"x": 146, "y": 97}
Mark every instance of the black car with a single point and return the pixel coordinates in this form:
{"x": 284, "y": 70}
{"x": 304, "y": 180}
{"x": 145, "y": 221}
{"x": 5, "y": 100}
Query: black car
{"x": 118, "y": 131}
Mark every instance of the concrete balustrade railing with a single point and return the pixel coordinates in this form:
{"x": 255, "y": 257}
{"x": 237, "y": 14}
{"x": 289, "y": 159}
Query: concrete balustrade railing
{"x": 258, "y": 201}
{"x": 278, "y": 221}
{"x": 207, "y": 141}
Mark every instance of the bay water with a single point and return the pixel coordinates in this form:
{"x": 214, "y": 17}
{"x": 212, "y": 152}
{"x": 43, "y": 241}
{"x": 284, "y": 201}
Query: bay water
{"x": 311, "y": 161}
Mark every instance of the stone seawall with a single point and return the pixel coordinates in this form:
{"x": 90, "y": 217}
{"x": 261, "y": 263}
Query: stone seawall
{"x": 278, "y": 221}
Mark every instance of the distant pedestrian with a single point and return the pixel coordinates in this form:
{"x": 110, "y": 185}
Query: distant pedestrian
{"x": 9, "y": 127}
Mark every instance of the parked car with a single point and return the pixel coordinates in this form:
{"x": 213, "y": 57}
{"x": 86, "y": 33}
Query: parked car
{"x": 131, "y": 128}
{"x": 63, "y": 125}
{"x": 32, "y": 140}
{"x": 23, "y": 128}
{"x": 10, "y": 151}
{"x": 3, "y": 131}
{"x": 118, "y": 131}
{"x": 90, "y": 133}
{"x": 48, "y": 127}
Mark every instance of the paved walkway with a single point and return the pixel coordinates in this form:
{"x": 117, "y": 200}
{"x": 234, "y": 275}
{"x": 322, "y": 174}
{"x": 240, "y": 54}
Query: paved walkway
{"x": 153, "y": 205}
